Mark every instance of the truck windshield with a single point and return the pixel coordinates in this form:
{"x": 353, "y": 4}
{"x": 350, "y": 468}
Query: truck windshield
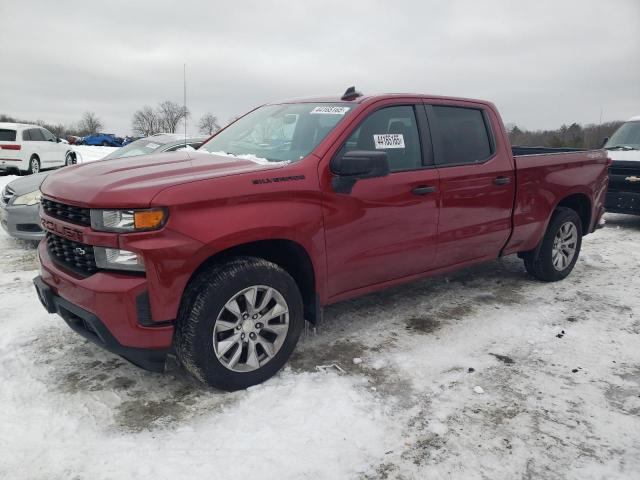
{"x": 278, "y": 133}
{"x": 627, "y": 137}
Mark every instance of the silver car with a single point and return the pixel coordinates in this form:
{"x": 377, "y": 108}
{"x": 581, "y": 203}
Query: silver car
{"x": 20, "y": 200}
{"x": 19, "y": 207}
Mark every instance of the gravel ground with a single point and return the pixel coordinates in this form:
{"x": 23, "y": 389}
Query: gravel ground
{"x": 482, "y": 374}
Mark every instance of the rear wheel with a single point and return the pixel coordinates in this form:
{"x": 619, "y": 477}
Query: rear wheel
{"x": 105, "y": 143}
{"x": 238, "y": 323}
{"x": 560, "y": 247}
{"x": 34, "y": 165}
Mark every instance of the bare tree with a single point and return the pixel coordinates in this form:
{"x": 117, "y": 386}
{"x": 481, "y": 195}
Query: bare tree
{"x": 90, "y": 124}
{"x": 146, "y": 122}
{"x": 170, "y": 114}
{"x": 208, "y": 124}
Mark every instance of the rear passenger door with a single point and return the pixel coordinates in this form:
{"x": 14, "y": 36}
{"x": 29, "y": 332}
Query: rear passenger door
{"x": 477, "y": 183}
{"x": 34, "y": 139}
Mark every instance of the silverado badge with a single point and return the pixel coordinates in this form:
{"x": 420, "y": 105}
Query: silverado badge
{"x": 633, "y": 179}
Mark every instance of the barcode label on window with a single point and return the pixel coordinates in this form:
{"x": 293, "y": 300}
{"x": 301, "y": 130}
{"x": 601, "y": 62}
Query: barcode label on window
{"x": 330, "y": 110}
{"x": 388, "y": 140}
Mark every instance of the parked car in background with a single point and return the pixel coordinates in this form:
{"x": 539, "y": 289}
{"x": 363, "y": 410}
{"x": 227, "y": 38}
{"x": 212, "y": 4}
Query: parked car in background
{"x": 19, "y": 205}
{"x": 623, "y": 148}
{"x": 73, "y": 139}
{"x": 30, "y": 148}
{"x": 220, "y": 255}
{"x": 21, "y": 198}
{"x": 104, "y": 139}
{"x": 161, "y": 142}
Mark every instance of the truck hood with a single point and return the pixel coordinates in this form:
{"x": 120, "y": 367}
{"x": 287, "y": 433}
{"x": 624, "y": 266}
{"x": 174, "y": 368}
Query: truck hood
{"x": 134, "y": 181}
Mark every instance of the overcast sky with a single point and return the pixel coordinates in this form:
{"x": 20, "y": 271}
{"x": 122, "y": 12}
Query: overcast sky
{"x": 543, "y": 63}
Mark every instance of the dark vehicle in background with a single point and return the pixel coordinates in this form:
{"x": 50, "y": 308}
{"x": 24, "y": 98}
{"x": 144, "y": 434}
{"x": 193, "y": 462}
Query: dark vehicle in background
{"x": 20, "y": 199}
{"x": 104, "y": 139}
{"x": 623, "y": 195}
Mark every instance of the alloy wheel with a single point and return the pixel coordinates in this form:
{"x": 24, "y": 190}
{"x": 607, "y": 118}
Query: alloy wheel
{"x": 564, "y": 246}
{"x": 251, "y": 328}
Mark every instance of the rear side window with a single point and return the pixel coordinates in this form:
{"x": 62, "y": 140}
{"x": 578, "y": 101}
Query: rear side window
{"x": 36, "y": 134}
{"x": 460, "y": 135}
{"x": 7, "y": 135}
{"x": 26, "y": 136}
{"x": 392, "y": 130}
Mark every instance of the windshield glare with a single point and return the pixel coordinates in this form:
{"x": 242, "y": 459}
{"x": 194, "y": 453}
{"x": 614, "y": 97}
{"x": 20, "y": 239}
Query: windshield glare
{"x": 627, "y": 135}
{"x": 279, "y": 133}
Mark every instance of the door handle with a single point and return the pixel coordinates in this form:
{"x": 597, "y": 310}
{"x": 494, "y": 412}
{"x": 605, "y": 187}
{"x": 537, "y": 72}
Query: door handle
{"x": 501, "y": 180}
{"x": 423, "y": 190}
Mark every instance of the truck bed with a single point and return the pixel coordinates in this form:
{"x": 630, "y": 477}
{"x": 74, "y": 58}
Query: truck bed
{"x": 542, "y": 180}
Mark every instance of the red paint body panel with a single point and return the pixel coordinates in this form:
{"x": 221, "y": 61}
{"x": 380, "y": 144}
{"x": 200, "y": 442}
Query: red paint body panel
{"x": 378, "y": 235}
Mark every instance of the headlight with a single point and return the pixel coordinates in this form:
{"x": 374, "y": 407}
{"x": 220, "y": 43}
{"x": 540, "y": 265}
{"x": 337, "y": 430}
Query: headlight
{"x": 128, "y": 220}
{"x": 31, "y": 198}
{"x": 116, "y": 259}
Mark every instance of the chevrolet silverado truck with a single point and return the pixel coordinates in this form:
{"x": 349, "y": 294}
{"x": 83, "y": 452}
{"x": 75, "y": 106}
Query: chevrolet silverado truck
{"x": 219, "y": 256}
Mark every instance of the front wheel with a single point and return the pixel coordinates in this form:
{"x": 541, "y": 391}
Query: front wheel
{"x": 70, "y": 159}
{"x": 105, "y": 143}
{"x": 560, "y": 247}
{"x": 238, "y": 323}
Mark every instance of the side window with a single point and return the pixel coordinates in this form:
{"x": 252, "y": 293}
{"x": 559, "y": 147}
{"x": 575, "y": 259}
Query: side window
{"x": 460, "y": 135}
{"x": 393, "y": 130}
{"x": 48, "y": 136}
{"x": 26, "y": 136}
{"x": 36, "y": 134}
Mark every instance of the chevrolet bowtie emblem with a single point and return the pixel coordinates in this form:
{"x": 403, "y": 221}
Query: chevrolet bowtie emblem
{"x": 79, "y": 251}
{"x": 633, "y": 179}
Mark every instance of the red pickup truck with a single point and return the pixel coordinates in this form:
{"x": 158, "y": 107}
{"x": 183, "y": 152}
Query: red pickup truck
{"x": 219, "y": 255}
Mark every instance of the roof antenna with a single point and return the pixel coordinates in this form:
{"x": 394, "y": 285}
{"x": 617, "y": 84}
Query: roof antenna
{"x": 351, "y": 94}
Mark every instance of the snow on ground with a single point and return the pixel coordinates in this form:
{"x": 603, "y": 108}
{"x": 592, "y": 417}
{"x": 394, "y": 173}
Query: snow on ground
{"x": 91, "y": 153}
{"x": 482, "y": 374}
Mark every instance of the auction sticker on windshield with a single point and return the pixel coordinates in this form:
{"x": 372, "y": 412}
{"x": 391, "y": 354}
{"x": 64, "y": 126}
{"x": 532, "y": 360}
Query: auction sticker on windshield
{"x": 388, "y": 140}
{"x": 330, "y": 110}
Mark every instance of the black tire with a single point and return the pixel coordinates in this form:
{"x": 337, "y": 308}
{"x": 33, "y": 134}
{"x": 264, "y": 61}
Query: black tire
{"x": 34, "y": 165}
{"x": 541, "y": 265}
{"x": 105, "y": 143}
{"x": 70, "y": 159}
{"x": 203, "y": 301}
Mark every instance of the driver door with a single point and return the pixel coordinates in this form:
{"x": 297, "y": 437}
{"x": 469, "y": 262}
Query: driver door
{"x": 386, "y": 228}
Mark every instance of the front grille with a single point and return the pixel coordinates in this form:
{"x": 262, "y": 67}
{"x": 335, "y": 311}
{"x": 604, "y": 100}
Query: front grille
{"x": 63, "y": 211}
{"x": 7, "y": 195}
{"x": 77, "y": 257}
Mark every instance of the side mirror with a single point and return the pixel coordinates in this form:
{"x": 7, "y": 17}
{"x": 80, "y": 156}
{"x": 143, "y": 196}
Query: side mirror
{"x": 357, "y": 165}
{"x": 58, "y": 140}
{"x": 604, "y": 141}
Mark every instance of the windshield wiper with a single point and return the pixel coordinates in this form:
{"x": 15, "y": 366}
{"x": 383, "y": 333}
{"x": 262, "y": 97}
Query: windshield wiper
{"x": 621, "y": 147}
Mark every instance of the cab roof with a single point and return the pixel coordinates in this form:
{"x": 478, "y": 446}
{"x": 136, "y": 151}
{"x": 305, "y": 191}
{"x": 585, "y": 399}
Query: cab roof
{"x": 374, "y": 97}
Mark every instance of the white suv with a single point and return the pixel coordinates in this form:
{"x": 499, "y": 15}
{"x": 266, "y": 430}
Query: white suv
{"x": 30, "y": 148}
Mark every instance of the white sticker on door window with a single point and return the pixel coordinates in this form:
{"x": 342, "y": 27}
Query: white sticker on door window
{"x": 329, "y": 110}
{"x": 388, "y": 140}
